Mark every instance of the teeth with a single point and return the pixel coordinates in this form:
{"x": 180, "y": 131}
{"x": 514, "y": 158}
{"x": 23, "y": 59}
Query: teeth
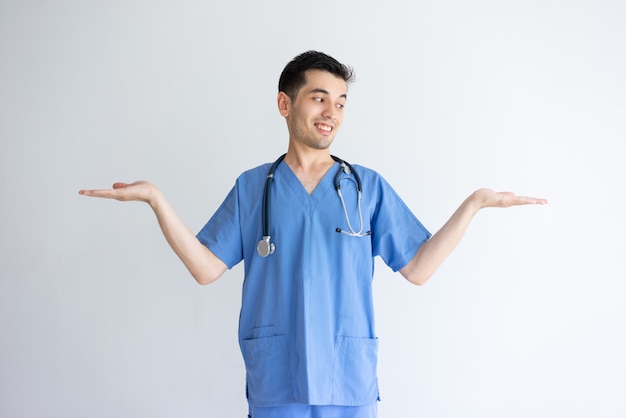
{"x": 324, "y": 127}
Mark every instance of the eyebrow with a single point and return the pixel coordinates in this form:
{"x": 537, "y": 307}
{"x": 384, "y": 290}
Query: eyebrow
{"x": 322, "y": 91}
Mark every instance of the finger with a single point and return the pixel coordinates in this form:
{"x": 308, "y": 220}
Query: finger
{"x": 95, "y": 193}
{"x": 527, "y": 200}
{"x": 539, "y": 201}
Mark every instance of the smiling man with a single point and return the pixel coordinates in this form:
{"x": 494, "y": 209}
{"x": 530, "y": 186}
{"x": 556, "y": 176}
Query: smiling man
{"x": 306, "y": 328}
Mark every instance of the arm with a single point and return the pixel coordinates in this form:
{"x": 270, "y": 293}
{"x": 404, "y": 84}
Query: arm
{"x": 203, "y": 265}
{"x": 439, "y": 246}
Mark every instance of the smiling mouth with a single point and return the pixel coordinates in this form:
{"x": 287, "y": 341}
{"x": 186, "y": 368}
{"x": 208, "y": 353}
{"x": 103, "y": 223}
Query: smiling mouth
{"x": 323, "y": 127}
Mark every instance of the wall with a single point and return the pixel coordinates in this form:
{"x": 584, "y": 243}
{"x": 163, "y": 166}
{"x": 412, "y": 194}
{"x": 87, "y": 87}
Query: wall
{"x": 97, "y": 316}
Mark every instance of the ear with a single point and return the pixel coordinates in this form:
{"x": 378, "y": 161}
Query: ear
{"x": 284, "y": 104}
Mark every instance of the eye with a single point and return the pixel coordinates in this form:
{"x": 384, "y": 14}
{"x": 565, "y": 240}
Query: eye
{"x": 318, "y": 99}
{"x": 341, "y": 105}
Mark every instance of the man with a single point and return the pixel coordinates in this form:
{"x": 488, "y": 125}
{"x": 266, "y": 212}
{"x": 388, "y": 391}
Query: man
{"x": 306, "y": 328}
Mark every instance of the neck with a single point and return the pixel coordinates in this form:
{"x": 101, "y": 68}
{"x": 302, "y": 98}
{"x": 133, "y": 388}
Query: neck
{"x": 308, "y": 159}
{"x": 309, "y": 165}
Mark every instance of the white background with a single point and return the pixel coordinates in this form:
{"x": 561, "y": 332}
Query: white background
{"x": 98, "y": 318}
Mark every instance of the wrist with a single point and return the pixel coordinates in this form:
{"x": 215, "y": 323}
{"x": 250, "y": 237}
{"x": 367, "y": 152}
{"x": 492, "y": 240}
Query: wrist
{"x": 155, "y": 197}
{"x": 477, "y": 200}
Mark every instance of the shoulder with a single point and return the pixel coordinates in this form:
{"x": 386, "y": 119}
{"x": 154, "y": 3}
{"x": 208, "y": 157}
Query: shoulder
{"x": 366, "y": 171}
{"x": 371, "y": 177}
{"x": 375, "y": 186}
{"x": 254, "y": 175}
{"x": 249, "y": 182}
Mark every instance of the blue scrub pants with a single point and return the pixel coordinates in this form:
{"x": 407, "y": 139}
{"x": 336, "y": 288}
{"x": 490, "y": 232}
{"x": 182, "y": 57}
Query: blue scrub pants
{"x": 314, "y": 411}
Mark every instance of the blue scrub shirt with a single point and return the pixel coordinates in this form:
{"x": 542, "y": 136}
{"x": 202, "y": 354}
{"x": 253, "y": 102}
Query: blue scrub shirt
{"x": 306, "y": 327}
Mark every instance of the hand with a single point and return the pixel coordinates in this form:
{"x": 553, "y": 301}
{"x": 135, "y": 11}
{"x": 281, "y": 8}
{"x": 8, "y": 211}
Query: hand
{"x": 488, "y": 198}
{"x": 139, "y": 190}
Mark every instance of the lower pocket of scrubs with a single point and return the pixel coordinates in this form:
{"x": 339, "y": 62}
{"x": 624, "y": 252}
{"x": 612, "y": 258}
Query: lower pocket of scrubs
{"x": 268, "y": 373}
{"x": 354, "y": 371}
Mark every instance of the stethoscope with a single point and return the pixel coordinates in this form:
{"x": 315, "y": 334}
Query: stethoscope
{"x": 265, "y": 247}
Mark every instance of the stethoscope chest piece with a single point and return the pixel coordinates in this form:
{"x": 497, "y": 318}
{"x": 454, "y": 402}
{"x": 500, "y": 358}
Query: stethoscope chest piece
{"x": 265, "y": 247}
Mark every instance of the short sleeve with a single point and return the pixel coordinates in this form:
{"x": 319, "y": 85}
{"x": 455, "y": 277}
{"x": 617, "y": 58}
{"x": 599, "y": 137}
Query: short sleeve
{"x": 222, "y": 233}
{"x": 397, "y": 234}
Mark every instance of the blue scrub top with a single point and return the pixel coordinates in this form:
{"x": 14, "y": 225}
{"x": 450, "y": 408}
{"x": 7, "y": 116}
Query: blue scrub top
{"x": 306, "y": 327}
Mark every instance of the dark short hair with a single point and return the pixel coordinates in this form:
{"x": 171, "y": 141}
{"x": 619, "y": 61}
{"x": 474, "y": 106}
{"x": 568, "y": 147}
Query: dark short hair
{"x": 293, "y": 76}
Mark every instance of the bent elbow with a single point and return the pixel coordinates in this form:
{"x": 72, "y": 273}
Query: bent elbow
{"x": 208, "y": 272}
{"x": 416, "y": 276}
{"x": 419, "y": 279}
{"x": 204, "y": 279}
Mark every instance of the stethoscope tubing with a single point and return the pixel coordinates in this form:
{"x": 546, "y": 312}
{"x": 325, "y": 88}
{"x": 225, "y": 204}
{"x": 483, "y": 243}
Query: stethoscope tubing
{"x": 265, "y": 211}
{"x": 265, "y": 247}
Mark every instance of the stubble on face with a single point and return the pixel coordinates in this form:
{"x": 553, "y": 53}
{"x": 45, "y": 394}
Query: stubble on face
{"x": 317, "y": 111}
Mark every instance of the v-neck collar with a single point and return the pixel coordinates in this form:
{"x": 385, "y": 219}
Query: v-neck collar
{"x": 289, "y": 178}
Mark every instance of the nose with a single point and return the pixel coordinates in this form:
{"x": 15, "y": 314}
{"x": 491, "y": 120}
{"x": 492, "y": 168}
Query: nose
{"x": 330, "y": 111}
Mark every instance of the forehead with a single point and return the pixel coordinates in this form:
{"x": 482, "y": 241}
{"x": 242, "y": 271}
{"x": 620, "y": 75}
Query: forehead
{"x": 323, "y": 80}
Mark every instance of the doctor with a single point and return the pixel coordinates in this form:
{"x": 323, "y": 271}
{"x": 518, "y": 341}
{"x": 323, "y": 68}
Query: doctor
{"x": 306, "y": 328}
